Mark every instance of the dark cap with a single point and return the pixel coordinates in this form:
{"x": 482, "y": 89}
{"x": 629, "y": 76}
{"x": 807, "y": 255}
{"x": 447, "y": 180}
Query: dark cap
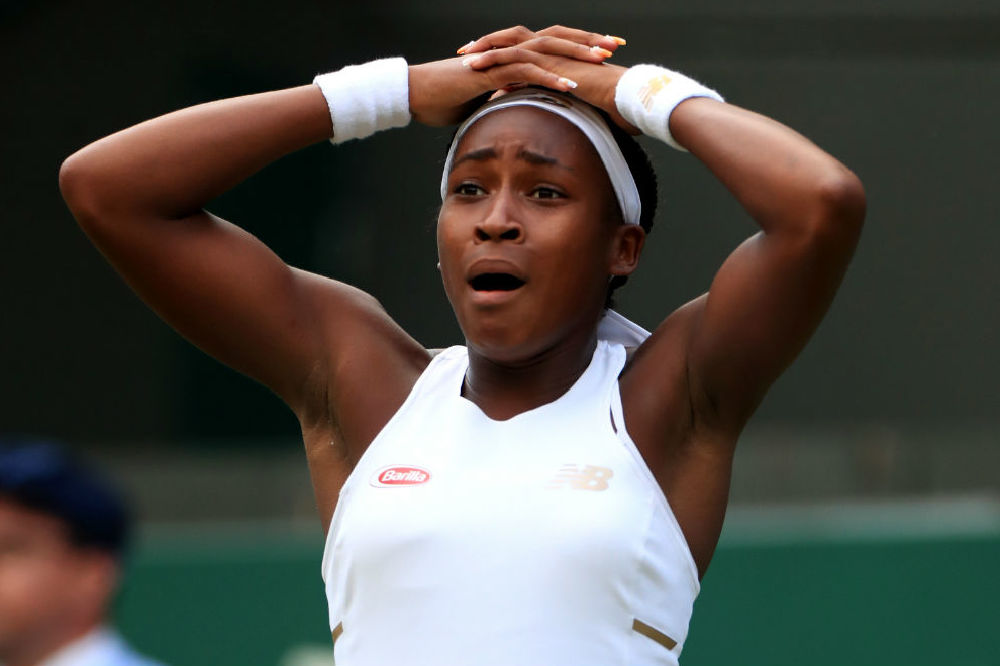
{"x": 46, "y": 478}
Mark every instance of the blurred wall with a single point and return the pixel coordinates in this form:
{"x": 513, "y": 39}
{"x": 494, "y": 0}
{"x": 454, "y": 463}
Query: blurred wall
{"x": 906, "y": 93}
{"x": 882, "y": 599}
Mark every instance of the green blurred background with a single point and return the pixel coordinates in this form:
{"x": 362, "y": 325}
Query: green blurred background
{"x": 866, "y": 523}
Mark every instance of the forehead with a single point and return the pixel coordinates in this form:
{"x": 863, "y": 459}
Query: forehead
{"x": 533, "y": 129}
{"x": 17, "y": 520}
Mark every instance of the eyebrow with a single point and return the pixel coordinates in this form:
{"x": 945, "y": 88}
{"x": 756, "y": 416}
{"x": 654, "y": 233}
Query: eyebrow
{"x": 485, "y": 154}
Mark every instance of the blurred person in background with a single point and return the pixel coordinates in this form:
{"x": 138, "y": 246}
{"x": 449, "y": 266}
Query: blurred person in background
{"x": 552, "y": 491}
{"x": 64, "y": 530}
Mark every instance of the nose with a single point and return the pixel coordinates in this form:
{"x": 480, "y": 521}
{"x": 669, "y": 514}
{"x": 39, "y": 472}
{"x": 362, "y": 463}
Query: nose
{"x": 500, "y": 223}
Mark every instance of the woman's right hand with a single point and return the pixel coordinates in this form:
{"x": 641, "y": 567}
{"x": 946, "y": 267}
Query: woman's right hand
{"x": 441, "y": 91}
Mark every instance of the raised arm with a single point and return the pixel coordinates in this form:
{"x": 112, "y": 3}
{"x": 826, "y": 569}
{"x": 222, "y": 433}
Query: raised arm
{"x": 771, "y": 293}
{"x": 139, "y": 195}
{"x": 726, "y": 347}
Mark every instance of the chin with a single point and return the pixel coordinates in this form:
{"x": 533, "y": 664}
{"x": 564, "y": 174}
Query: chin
{"x": 516, "y": 330}
{"x": 508, "y": 343}
{"x": 503, "y": 344}
{"x": 501, "y": 337}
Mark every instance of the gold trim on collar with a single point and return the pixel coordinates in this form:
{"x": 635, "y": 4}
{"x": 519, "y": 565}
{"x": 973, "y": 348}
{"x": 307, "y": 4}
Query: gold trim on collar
{"x": 337, "y": 631}
{"x": 656, "y": 635}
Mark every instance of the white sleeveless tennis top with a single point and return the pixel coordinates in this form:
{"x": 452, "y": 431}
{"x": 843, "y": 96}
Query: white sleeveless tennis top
{"x": 542, "y": 540}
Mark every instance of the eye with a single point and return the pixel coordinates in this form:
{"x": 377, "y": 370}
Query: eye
{"x": 546, "y": 193}
{"x": 468, "y": 189}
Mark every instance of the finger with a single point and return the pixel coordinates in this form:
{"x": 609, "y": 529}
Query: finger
{"x": 534, "y": 51}
{"x": 498, "y": 39}
{"x": 551, "y": 46}
{"x": 519, "y": 34}
{"x": 584, "y": 37}
{"x": 568, "y": 48}
{"x": 597, "y": 83}
{"x": 519, "y": 74}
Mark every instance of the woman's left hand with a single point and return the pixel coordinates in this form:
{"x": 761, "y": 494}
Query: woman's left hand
{"x": 577, "y": 55}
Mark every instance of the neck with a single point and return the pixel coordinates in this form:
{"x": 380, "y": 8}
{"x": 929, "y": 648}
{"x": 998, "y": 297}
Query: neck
{"x": 33, "y": 653}
{"x": 504, "y": 390}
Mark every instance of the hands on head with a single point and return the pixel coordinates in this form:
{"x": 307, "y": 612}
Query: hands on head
{"x": 560, "y": 58}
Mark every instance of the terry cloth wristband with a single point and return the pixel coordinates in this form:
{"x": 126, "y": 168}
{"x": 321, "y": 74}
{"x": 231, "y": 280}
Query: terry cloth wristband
{"x": 364, "y": 99}
{"x": 646, "y": 95}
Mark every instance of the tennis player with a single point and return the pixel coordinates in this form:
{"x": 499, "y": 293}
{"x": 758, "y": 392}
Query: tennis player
{"x": 552, "y": 491}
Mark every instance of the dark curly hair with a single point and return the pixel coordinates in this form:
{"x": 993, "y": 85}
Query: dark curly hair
{"x": 645, "y": 181}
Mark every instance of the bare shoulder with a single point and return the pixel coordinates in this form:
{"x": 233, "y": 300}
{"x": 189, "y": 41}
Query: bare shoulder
{"x": 370, "y": 363}
{"x": 654, "y": 384}
{"x": 690, "y": 461}
{"x": 368, "y": 368}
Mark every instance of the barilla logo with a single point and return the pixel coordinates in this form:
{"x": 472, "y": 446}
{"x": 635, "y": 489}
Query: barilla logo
{"x": 400, "y": 475}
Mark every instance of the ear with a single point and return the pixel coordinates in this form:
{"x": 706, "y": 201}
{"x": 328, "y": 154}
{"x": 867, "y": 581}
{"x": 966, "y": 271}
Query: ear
{"x": 626, "y": 248}
{"x": 97, "y": 579}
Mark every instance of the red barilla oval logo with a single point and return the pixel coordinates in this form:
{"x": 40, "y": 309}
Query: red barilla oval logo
{"x": 400, "y": 475}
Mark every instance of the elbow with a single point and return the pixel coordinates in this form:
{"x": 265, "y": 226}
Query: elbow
{"x": 73, "y": 177}
{"x": 839, "y": 211}
{"x": 843, "y": 201}
{"x": 80, "y": 185}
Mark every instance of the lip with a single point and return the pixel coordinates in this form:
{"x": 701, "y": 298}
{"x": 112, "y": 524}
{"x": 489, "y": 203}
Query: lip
{"x": 493, "y": 265}
{"x": 487, "y": 298}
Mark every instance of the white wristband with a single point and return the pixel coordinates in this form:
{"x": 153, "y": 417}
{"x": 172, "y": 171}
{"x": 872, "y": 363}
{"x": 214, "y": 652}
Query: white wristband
{"x": 364, "y": 99}
{"x": 646, "y": 95}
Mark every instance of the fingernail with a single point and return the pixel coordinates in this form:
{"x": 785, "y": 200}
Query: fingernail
{"x": 604, "y": 53}
{"x": 570, "y": 83}
{"x": 467, "y": 62}
{"x": 617, "y": 40}
{"x": 464, "y": 48}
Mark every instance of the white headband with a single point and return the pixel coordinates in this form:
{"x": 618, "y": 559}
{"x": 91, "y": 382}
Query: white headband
{"x": 583, "y": 116}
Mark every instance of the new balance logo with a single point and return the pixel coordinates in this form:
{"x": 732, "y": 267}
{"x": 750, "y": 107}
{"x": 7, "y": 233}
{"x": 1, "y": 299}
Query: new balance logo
{"x": 585, "y": 477}
{"x": 653, "y": 88}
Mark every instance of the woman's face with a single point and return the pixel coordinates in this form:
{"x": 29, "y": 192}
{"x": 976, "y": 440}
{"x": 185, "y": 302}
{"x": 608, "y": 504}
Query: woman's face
{"x": 528, "y": 235}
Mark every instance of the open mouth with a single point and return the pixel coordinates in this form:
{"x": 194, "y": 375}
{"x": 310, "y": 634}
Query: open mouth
{"x": 496, "y": 282}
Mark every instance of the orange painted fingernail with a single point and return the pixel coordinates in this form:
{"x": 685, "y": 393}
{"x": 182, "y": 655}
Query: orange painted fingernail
{"x": 462, "y": 49}
{"x": 569, "y": 83}
{"x": 617, "y": 40}
{"x": 604, "y": 53}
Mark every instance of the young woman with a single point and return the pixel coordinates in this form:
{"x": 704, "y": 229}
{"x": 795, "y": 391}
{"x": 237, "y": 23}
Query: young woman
{"x": 551, "y": 492}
